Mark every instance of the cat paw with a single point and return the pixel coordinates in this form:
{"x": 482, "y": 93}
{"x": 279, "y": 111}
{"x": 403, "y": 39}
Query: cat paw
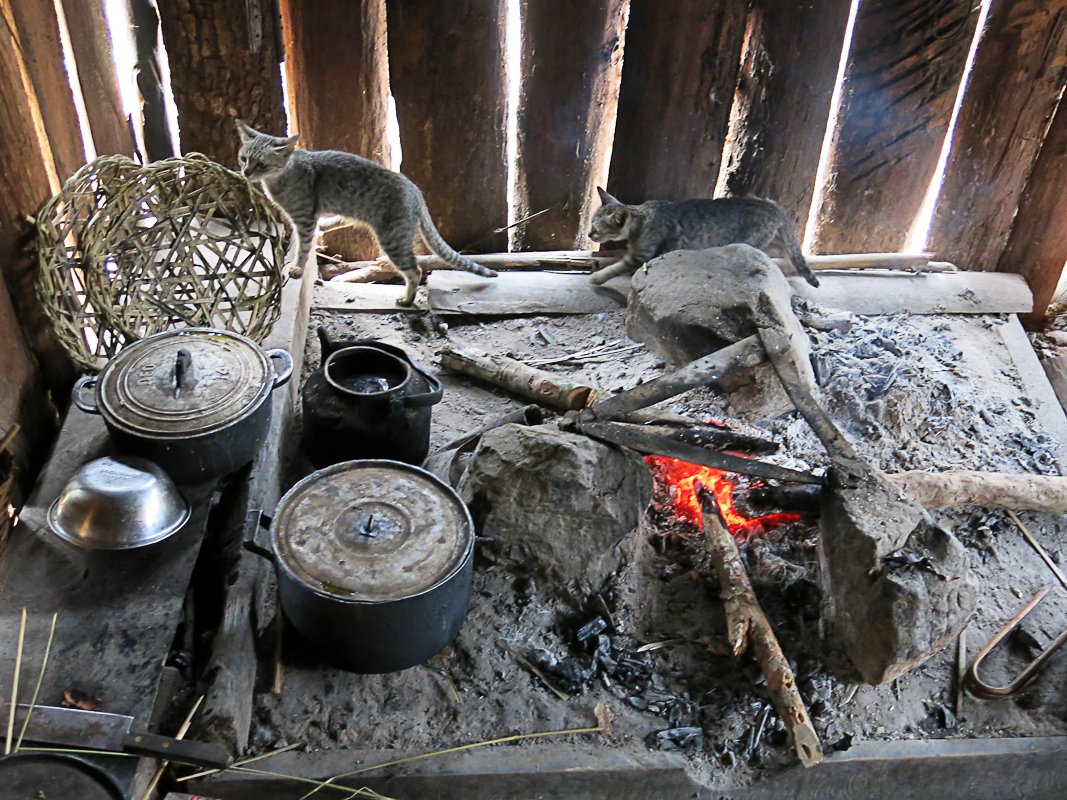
{"x": 597, "y": 279}
{"x": 296, "y": 273}
{"x": 405, "y": 302}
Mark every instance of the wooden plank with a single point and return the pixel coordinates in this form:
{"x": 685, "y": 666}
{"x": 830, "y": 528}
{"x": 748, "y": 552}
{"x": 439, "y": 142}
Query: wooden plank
{"x": 38, "y": 29}
{"x": 339, "y": 84}
{"x": 1037, "y": 246}
{"x": 224, "y": 65}
{"x": 446, "y": 69}
{"x": 571, "y": 63}
{"x": 90, "y": 44}
{"x": 158, "y": 142}
{"x": 373, "y": 298}
{"x": 1018, "y": 74}
{"x": 517, "y": 293}
{"x": 1039, "y": 387}
{"x": 784, "y": 94}
{"x": 903, "y": 75}
{"x": 678, "y": 80}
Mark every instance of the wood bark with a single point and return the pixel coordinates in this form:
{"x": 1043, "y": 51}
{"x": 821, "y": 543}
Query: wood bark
{"x": 536, "y": 384}
{"x": 1037, "y": 246}
{"x": 158, "y": 142}
{"x": 571, "y": 65}
{"x": 783, "y": 97}
{"x": 904, "y": 71}
{"x": 446, "y": 70}
{"x": 1018, "y": 74}
{"x": 90, "y": 43}
{"x": 339, "y": 84}
{"x": 747, "y": 626}
{"x": 678, "y": 80}
{"x": 956, "y": 488}
{"x": 224, "y": 65}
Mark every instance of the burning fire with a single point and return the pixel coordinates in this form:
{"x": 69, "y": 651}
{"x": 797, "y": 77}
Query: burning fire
{"x": 678, "y": 479}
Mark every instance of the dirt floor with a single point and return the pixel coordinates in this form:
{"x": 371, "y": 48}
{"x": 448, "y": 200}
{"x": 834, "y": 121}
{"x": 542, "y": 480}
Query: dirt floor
{"x": 931, "y": 392}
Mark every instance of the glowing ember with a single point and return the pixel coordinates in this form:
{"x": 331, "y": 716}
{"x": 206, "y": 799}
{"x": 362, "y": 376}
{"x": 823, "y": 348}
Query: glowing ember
{"x": 677, "y": 480}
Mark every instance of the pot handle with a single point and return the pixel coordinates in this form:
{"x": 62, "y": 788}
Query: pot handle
{"x": 287, "y": 366}
{"x": 256, "y": 520}
{"x": 429, "y": 398}
{"x": 85, "y": 382}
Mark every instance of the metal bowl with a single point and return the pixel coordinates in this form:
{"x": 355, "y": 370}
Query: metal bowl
{"x": 118, "y": 503}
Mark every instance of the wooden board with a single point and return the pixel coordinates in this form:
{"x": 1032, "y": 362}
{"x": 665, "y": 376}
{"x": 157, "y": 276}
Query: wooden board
{"x": 339, "y": 84}
{"x": 678, "y": 79}
{"x": 90, "y": 44}
{"x": 1038, "y": 388}
{"x": 518, "y": 293}
{"x": 224, "y": 65}
{"x": 903, "y": 75}
{"x": 1037, "y": 247}
{"x": 446, "y": 70}
{"x": 571, "y": 61}
{"x": 784, "y": 94}
{"x": 1018, "y": 74}
{"x": 158, "y": 141}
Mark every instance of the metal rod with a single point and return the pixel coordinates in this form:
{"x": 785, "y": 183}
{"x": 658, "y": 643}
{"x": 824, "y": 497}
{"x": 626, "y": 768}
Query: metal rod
{"x": 1040, "y": 550}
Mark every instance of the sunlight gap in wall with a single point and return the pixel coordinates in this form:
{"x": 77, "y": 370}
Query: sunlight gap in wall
{"x": 71, "y": 67}
{"x": 124, "y": 57}
{"x": 513, "y": 76}
{"x": 737, "y": 112}
{"x": 392, "y": 135}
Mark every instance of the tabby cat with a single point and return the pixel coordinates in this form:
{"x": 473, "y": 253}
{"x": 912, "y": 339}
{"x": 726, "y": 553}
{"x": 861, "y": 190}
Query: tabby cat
{"x": 658, "y": 226}
{"x": 310, "y": 184}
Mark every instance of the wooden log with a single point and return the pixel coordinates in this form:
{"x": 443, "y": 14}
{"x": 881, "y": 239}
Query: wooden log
{"x": 446, "y": 69}
{"x": 571, "y": 63}
{"x": 783, "y": 98}
{"x": 954, "y": 488}
{"x": 90, "y": 44}
{"x": 337, "y": 49}
{"x": 903, "y": 75}
{"x": 747, "y": 625}
{"x": 678, "y": 80}
{"x": 158, "y": 142}
{"x": 711, "y": 436}
{"x": 224, "y": 65}
{"x": 507, "y": 373}
{"x": 1015, "y": 84}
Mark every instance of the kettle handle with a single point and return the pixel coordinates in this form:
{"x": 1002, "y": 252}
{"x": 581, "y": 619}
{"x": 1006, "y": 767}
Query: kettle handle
{"x": 85, "y": 382}
{"x": 287, "y": 366}
{"x": 429, "y": 398}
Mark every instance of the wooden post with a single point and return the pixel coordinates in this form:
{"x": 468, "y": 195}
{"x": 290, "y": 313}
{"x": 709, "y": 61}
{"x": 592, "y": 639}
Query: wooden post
{"x": 446, "y": 69}
{"x": 157, "y": 139}
{"x": 794, "y": 50}
{"x": 1018, "y": 74}
{"x": 903, "y": 75}
{"x": 678, "y": 80}
{"x": 1037, "y": 247}
{"x": 90, "y": 43}
{"x": 571, "y": 64}
{"x": 224, "y": 65}
{"x": 339, "y": 83}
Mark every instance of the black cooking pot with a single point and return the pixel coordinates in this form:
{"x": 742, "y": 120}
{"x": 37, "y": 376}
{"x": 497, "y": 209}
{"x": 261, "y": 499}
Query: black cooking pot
{"x": 55, "y": 776}
{"x": 374, "y": 563}
{"x": 195, "y": 401}
{"x": 367, "y": 400}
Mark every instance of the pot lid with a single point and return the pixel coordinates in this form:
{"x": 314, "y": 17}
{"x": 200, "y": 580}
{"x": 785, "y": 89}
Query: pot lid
{"x": 183, "y": 383}
{"x": 372, "y": 531}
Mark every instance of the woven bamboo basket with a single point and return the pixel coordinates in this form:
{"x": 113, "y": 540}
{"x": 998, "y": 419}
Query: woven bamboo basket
{"x": 126, "y": 251}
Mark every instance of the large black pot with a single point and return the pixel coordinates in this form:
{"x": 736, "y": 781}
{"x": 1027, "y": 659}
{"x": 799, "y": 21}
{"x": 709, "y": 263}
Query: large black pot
{"x": 374, "y": 563}
{"x": 195, "y": 401}
{"x": 367, "y": 400}
{"x": 55, "y": 776}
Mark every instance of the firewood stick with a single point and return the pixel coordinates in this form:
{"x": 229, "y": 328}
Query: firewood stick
{"x": 748, "y": 625}
{"x": 987, "y": 489}
{"x": 544, "y": 387}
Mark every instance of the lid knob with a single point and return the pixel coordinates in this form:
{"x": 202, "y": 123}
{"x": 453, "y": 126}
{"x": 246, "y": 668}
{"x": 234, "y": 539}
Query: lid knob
{"x": 183, "y": 365}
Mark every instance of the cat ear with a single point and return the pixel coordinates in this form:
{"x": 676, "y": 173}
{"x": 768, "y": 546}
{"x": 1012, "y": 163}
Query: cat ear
{"x": 606, "y": 198}
{"x": 620, "y": 215}
{"x": 247, "y": 131}
{"x": 288, "y": 145}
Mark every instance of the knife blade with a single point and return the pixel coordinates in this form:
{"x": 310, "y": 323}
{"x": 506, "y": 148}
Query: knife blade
{"x": 95, "y": 730}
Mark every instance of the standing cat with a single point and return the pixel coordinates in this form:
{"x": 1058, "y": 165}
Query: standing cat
{"x": 658, "y": 226}
{"x": 311, "y": 184}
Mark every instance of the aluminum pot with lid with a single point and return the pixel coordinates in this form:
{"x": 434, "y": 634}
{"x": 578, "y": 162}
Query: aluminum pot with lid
{"x": 196, "y": 401}
{"x": 374, "y": 563}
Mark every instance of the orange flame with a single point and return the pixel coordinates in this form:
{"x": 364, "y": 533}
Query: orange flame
{"x": 678, "y": 480}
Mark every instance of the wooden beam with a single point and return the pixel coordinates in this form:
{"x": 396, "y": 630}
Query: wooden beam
{"x": 90, "y": 43}
{"x": 1037, "y": 247}
{"x": 157, "y": 134}
{"x": 446, "y": 70}
{"x": 571, "y": 66}
{"x": 784, "y": 92}
{"x": 903, "y": 75}
{"x": 224, "y": 65}
{"x": 678, "y": 80}
{"x": 1018, "y": 74}
{"x": 339, "y": 84}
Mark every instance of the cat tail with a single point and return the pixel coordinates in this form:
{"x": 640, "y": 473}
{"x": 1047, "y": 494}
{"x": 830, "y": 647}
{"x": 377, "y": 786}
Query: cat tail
{"x": 440, "y": 247}
{"x": 792, "y": 247}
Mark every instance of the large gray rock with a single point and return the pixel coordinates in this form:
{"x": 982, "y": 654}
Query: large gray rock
{"x": 558, "y": 503}
{"x": 689, "y": 303}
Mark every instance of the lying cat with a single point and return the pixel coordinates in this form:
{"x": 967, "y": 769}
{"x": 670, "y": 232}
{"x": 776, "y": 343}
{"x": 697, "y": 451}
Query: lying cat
{"x": 658, "y": 226}
{"x": 310, "y": 184}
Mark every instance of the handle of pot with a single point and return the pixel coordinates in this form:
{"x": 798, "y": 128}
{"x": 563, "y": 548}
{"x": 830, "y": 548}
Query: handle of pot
{"x": 429, "y": 398}
{"x": 256, "y": 520}
{"x": 85, "y": 382}
{"x": 287, "y": 365}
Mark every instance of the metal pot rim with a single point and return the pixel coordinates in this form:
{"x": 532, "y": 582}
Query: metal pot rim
{"x": 368, "y": 396}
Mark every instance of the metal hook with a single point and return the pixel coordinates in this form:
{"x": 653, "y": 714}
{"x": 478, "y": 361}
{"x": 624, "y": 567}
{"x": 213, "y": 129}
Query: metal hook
{"x": 977, "y": 687}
